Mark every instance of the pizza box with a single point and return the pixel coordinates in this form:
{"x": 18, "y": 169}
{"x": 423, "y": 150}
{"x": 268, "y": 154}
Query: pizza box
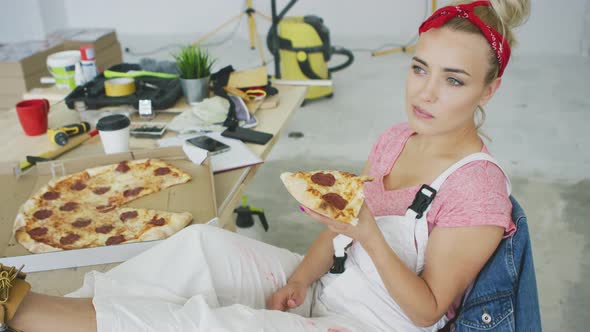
{"x": 196, "y": 196}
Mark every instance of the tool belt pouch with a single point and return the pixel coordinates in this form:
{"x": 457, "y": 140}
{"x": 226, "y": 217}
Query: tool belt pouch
{"x": 162, "y": 92}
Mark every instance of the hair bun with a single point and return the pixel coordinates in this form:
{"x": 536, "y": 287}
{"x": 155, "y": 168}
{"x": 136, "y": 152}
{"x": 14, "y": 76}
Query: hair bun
{"x": 512, "y": 13}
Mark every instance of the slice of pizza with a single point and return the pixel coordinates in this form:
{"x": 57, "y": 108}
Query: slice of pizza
{"x": 47, "y": 230}
{"x": 84, "y": 209}
{"x": 335, "y": 194}
{"x": 128, "y": 180}
{"x": 113, "y": 185}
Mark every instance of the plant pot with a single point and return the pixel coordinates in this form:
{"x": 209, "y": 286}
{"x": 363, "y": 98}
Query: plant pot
{"x": 195, "y": 90}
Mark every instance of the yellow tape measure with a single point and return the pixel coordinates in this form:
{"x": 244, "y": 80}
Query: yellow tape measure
{"x": 118, "y": 87}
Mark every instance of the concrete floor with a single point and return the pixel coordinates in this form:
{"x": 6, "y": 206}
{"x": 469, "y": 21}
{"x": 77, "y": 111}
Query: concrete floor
{"x": 537, "y": 123}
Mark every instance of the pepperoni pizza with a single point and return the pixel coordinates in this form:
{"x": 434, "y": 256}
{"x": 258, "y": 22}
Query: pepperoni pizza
{"x": 85, "y": 209}
{"x": 335, "y": 194}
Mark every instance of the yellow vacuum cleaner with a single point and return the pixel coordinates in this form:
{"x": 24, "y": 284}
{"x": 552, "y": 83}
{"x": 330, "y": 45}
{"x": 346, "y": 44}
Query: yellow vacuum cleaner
{"x": 301, "y": 48}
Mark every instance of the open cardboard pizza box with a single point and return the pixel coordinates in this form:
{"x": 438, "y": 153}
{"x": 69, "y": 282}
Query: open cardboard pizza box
{"x": 197, "y": 197}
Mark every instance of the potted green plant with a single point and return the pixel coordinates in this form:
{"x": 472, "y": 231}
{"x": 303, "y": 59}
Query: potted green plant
{"x": 194, "y": 67}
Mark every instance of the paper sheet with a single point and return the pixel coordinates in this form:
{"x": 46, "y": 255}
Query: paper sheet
{"x": 206, "y": 115}
{"x": 238, "y": 156}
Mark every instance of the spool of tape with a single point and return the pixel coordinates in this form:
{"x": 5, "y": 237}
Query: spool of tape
{"x": 118, "y": 87}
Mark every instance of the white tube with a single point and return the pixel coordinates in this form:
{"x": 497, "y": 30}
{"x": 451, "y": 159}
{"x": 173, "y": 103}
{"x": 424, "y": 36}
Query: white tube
{"x": 47, "y": 80}
{"x": 304, "y": 82}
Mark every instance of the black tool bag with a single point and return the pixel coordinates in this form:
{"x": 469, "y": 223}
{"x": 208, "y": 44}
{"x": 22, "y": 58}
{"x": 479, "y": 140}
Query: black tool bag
{"x": 163, "y": 92}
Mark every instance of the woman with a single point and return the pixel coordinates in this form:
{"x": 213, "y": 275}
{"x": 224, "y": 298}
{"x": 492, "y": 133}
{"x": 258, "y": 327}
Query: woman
{"x": 460, "y": 57}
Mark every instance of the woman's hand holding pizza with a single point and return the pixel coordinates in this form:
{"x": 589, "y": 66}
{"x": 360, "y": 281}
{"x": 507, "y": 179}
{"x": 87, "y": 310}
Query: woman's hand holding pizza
{"x": 336, "y": 199}
{"x": 364, "y": 231}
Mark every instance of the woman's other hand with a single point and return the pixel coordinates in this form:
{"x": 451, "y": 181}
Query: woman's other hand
{"x": 364, "y": 231}
{"x": 288, "y": 297}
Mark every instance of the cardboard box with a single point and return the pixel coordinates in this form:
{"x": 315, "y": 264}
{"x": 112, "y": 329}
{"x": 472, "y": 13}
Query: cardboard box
{"x": 19, "y": 60}
{"x": 21, "y": 69}
{"x": 17, "y": 86}
{"x": 8, "y": 101}
{"x": 25, "y": 58}
{"x": 197, "y": 197}
{"x": 73, "y": 38}
{"x": 109, "y": 56}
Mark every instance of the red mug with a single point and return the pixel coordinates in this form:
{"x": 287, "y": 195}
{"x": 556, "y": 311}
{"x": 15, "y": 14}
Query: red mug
{"x": 32, "y": 115}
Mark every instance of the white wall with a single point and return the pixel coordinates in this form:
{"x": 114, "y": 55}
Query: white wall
{"x": 54, "y": 15}
{"x": 553, "y": 28}
{"x": 20, "y": 20}
{"x": 586, "y": 33}
{"x": 556, "y": 27}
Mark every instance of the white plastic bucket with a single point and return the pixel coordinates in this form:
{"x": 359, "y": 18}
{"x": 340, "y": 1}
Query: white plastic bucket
{"x": 62, "y": 66}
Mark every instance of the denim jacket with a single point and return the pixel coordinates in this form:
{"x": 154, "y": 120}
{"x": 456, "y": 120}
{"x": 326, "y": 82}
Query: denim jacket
{"x": 504, "y": 295}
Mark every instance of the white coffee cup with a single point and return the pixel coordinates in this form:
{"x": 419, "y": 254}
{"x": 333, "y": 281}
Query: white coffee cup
{"x": 114, "y": 133}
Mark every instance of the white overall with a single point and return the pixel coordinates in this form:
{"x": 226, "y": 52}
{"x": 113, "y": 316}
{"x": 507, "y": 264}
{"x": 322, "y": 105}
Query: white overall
{"x": 360, "y": 292}
{"x": 207, "y": 279}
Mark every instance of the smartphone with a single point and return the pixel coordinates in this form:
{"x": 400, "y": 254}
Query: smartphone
{"x": 209, "y": 144}
{"x": 248, "y": 135}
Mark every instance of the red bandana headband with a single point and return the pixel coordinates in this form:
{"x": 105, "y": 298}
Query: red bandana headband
{"x": 496, "y": 40}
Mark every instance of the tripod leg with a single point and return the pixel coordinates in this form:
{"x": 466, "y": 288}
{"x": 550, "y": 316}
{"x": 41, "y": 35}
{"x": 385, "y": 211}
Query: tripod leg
{"x": 254, "y": 36}
{"x": 237, "y": 17}
{"x": 266, "y": 17}
{"x": 404, "y": 49}
{"x": 260, "y": 48}
{"x": 251, "y": 23}
{"x": 387, "y": 51}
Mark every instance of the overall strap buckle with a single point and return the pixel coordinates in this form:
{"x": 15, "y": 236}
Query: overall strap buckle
{"x": 422, "y": 201}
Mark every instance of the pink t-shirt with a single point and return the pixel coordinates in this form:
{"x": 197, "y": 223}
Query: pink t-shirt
{"x": 475, "y": 194}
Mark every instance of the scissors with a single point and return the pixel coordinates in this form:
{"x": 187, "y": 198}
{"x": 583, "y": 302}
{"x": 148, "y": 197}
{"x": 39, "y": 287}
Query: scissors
{"x": 6, "y": 278}
{"x": 256, "y": 94}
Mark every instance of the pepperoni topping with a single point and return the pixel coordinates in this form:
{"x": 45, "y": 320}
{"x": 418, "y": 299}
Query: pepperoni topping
{"x": 81, "y": 222}
{"x": 128, "y": 215}
{"x": 115, "y": 240}
{"x": 38, "y": 231}
{"x": 323, "y": 179}
{"x": 162, "y": 171}
{"x": 69, "y": 239}
{"x": 132, "y": 192}
{"x": 105, "y": 208}
{"x": 335, "y": 200}
{"x": 122, "y": 168}
{"x": 51, "y": 195}
{"x": 42, "y": 214}
{"x": 104, "y": 229}
{"x": 157, "y": 222}
{"x": 101, "y": 190}
{"x": 69, "y": 206}
{"x": 79, "y": 185}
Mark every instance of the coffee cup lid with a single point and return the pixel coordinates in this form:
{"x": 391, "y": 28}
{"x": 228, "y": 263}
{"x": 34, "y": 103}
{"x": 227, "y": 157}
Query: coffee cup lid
{"x": 113, "y": 122}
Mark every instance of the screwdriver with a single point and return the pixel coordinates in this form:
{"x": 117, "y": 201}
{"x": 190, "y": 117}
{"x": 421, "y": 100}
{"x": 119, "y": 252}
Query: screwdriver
{"x": 61, "y": 135}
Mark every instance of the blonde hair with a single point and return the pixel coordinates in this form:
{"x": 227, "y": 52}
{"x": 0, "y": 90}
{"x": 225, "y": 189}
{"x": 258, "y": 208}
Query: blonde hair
{"x": 503, "y": 16}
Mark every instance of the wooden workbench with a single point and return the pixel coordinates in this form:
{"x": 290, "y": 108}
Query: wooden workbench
{"x": 229, "y": 186}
